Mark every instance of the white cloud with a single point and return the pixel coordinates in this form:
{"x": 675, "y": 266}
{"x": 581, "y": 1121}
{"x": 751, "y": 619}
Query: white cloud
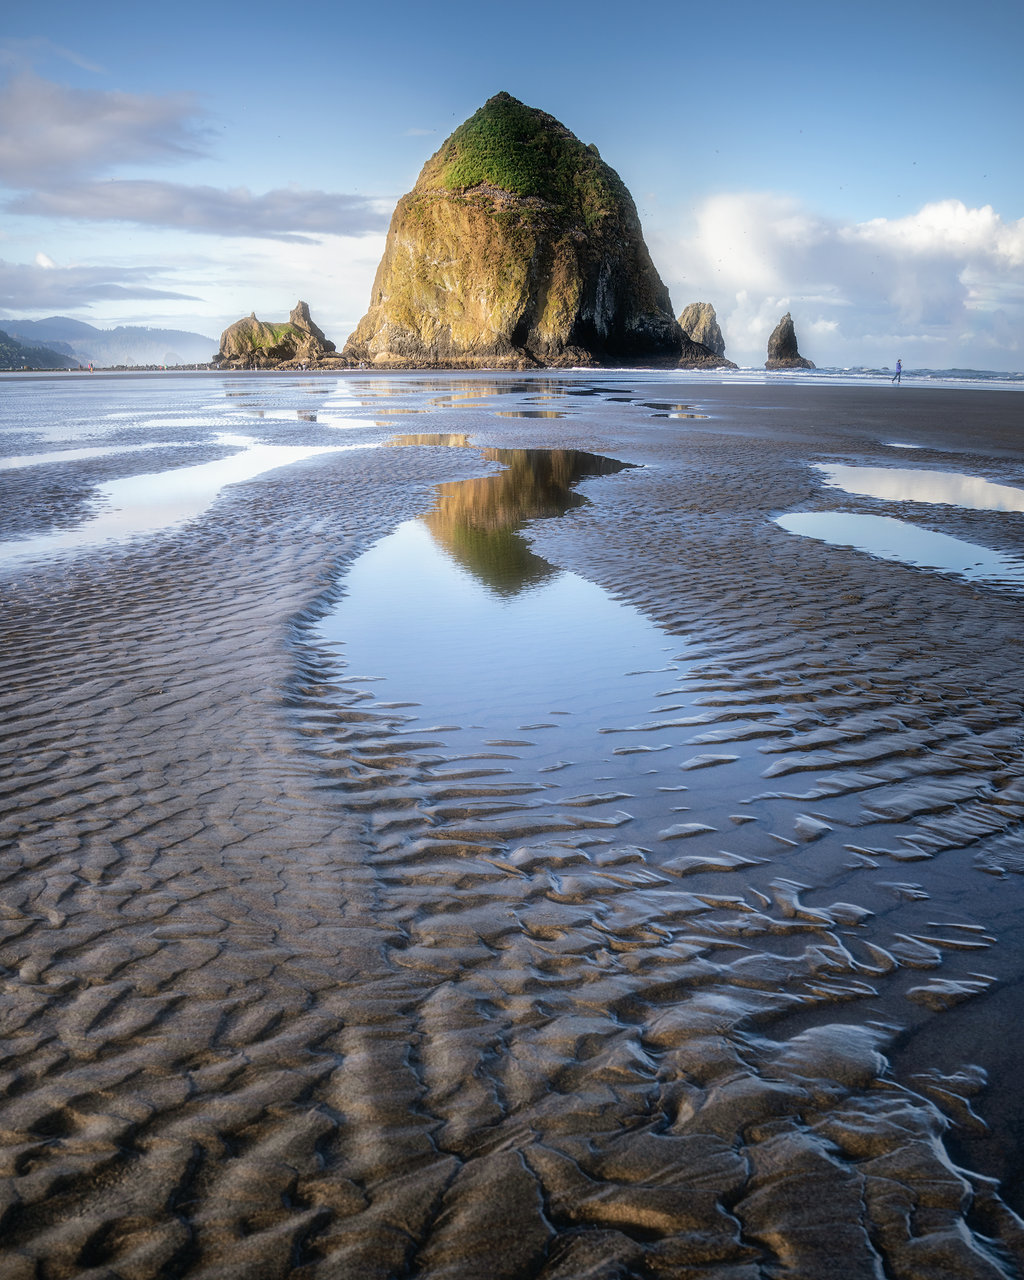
{"x": 202, "y": 286}
{"x": 42, "y": 286}
{"x": 62, "y": 133}
{"x": 283, "y": 214}
{"x": 66, "y": 140}
{"x": 946, "y": 228}
{"x": 945, "y": 285}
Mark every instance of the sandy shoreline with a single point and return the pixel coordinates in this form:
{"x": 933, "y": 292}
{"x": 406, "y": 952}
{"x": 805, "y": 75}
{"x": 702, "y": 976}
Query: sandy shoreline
{"x": 276, "y": 1004}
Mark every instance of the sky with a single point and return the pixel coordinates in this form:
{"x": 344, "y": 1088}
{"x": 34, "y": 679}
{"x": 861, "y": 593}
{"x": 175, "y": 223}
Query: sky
{"x": 858, "y": 166}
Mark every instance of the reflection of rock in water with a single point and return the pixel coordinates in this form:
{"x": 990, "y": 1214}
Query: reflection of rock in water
{"x": 451, "y": 440}
{"x": 476, "y": 521}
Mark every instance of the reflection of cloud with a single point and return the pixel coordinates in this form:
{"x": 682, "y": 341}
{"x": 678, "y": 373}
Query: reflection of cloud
{"x": 62, "y": 131}
{"x": 943, "y": 274}
{"x": 284, "y": 214}
{"x": 42, "y": 286}
{"x": 909, "y": 484}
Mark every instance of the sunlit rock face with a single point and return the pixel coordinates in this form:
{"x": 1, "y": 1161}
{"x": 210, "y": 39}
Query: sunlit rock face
{"x": 700, "y": 326}
{"x": 782, "y": 348}
{"x": 252, "y": 344}
{"x": 517, "y": 247}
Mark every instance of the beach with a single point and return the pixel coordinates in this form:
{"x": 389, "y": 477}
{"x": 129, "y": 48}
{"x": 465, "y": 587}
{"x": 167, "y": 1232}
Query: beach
{"x": 299, "y": 984}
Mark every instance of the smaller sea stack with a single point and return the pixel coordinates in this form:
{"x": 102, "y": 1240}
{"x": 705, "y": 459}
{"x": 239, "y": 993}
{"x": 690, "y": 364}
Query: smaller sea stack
{"x": 782, "y": 348}
{"x": 700, "y": 324}
{"x": 259, "y": 344}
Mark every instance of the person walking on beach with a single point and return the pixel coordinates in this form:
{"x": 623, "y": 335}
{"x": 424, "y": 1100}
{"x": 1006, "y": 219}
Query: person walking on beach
{"x": 897, "y": 377}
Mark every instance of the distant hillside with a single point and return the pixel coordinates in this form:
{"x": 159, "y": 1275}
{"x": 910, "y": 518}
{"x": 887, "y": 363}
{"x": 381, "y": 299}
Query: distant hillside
{"x": 125, "y": 345}
{"x": 15, "y": 355}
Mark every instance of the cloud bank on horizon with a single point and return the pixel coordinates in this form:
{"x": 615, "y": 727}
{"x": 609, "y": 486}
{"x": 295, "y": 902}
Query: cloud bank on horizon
{"x": 945, "y": 282}
{"x": 125, "y": 205}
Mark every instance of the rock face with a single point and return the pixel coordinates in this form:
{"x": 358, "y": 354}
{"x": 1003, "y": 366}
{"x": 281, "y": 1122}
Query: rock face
{"x": 517, "y": 247}
{"x": 782, "y": 348}
{"x": 696, "y": 356}
{"x": 700, "y": 324}
{"x": 259, "y": 344}
{"x": 703, "y": 344}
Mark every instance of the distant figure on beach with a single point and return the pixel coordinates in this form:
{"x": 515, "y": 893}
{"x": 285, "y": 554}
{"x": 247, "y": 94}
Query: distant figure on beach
{"x": 898, "y": 375}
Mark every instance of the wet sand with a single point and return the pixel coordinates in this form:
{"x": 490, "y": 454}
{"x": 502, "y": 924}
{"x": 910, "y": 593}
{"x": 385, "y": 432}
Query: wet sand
{"x": 291, "y": 992}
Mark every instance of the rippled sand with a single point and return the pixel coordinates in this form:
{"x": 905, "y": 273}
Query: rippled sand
{"x": 290, "y": 990}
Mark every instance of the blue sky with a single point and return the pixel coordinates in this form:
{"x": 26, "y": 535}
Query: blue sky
{"x": 858, "y": 166}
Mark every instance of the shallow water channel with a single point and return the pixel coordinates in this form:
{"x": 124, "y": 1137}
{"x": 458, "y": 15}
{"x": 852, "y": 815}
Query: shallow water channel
{"x": 458, "y": 633}
{"x": 894, "y": 539}
{"x": 455, "y": 618}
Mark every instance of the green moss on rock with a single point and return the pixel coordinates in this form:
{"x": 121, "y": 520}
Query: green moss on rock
{"x": 526, "y": 153}
{"x": 256, "y": 343}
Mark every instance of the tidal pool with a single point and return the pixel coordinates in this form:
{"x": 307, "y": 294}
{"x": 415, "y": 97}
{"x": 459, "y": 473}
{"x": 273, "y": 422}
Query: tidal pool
{"x": 146, "y": 504}
{"x": 482, "y": 643}
{"x": 906, "y": 484}
{"x": 893, "y": 539}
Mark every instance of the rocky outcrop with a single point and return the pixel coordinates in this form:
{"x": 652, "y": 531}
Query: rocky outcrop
{"x": 517, "y": 247}
{"x": 782, "y": 348}
{"x": 700, "y": 324}
{"x": 260, "y": 344}
{"x": 696, "y": 356}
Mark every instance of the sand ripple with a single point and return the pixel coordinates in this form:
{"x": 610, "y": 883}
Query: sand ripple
{"x": 293, "y": 987}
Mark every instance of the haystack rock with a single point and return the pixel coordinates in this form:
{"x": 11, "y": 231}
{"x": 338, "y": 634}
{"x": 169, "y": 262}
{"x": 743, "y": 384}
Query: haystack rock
{"x": 517, "y": 247}
{"x": 260, "y": 344}
{"x": 700, "y": 324}
{"x": 782, "y": 348}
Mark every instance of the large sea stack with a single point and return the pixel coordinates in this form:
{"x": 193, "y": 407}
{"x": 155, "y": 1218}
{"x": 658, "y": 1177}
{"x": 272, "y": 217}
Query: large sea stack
{"x": 782, "y": 348}
{"x": 517, "y": 247}
{"x": 259, "y": 344}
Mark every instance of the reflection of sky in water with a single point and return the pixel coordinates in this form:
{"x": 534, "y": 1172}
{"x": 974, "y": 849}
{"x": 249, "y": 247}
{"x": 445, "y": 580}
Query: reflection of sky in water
{"x": 160, "y": 500}
{"x": 442, "y": 640}
{"x": 323, "y": 413}
{"x": 903, "y": 484}
{"x": 897, "y": 540}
